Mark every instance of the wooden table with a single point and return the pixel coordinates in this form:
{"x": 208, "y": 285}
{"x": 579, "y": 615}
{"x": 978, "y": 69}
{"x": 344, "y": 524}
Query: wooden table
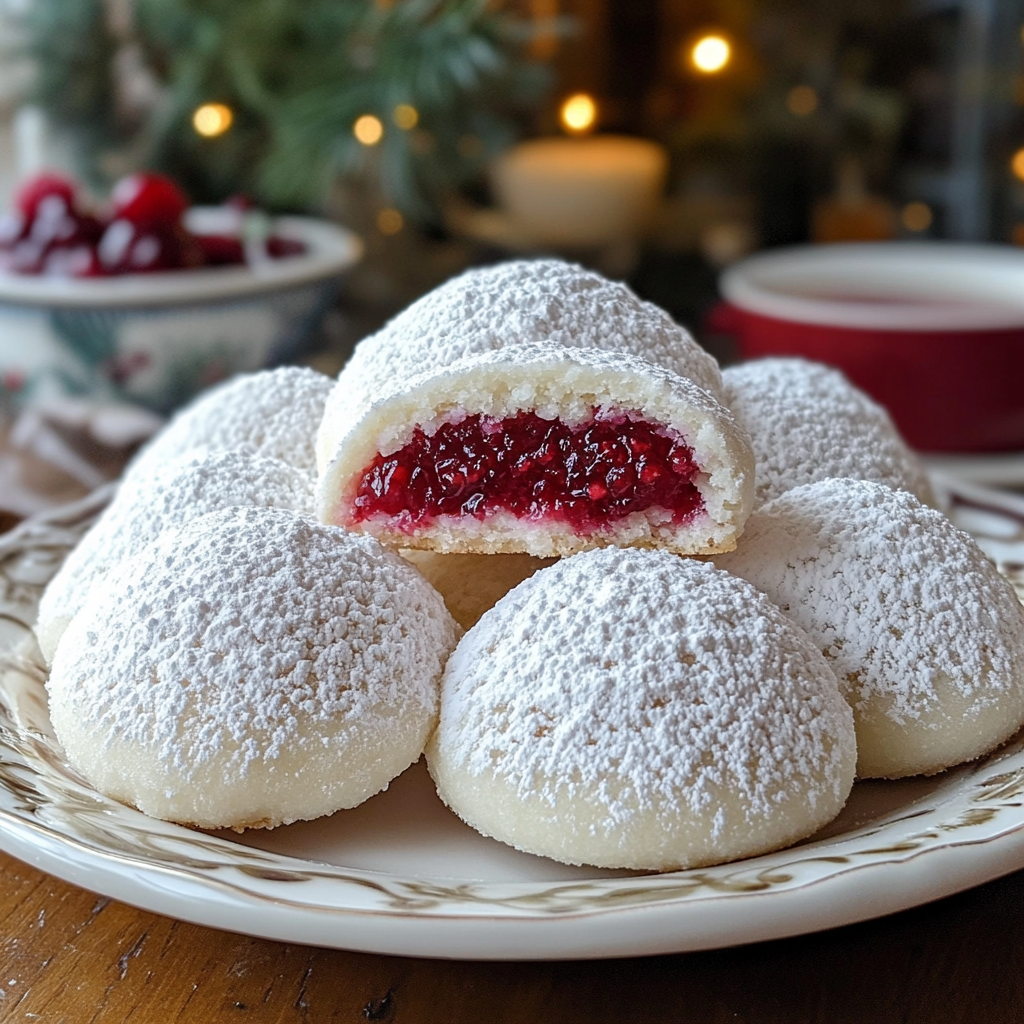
{"x": 70, "y": 956}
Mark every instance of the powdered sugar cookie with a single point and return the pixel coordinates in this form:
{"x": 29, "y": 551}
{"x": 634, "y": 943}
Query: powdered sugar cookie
{"x": 159, "y": 497}
{"x": 524, "y": 302}
{"x": 544, "y": 450}
{"x": 924, "y": 634}
{"x": 807, "y": 422}
{"x": 251, "y": 669}
{"x": 630, "y": 708}
{"x": 273, "y": 413}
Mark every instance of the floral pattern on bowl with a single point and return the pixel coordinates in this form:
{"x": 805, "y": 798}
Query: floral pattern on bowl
{"x": 161, "y": 338}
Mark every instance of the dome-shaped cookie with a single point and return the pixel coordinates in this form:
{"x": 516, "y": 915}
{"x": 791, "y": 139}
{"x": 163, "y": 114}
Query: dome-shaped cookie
{"x": 160, "y": 497}
{"x": 524, "y": 302}
{"x": 629, "y": 708}
{"x": 543, "y": 450}
{"x": 273, "y": 413}
{"x": 807, "y": 422}
{"x": 924, "y": 634}
{"x": 251, "y": 669}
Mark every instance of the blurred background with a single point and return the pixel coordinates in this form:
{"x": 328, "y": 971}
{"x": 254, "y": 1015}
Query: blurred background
{"x": 659, "y": 141}
{"x": 782, "y": 121}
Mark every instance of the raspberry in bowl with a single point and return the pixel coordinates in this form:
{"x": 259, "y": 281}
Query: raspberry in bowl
{"x": 150, "y": 300}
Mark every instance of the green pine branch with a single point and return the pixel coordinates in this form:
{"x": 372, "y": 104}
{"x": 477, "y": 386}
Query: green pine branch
{"x": 297, "y": 75}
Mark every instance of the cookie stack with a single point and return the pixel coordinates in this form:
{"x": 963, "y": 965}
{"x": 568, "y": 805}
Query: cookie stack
{"x": 550, "y": 453}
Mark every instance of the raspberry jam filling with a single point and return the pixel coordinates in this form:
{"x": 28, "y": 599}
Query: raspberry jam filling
{"x": 586, "y": 475}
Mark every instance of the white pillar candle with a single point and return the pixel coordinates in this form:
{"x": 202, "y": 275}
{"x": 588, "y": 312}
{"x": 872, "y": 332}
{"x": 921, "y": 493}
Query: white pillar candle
{"x": 577, "y": 192}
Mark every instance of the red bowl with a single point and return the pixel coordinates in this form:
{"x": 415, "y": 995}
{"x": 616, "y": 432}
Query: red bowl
{"x": 935, "y": 332}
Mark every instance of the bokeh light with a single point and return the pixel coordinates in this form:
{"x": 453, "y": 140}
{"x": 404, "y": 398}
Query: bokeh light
{"x": 578, "y": 114}
{"x": 390, "y": 221}
{"x": 802, "y": 100}
{"x": 1017, "y": 164}
{"x": 916, "y": 216}
{"x": 710, "y": 54}
{"x": 368, "y": 130}
{"x": 405, "y": 116}
{"x": 212, "y": 119}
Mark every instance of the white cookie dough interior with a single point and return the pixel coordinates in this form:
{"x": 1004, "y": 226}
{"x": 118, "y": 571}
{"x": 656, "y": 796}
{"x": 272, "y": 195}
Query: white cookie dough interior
{"x": 505, "y": 307}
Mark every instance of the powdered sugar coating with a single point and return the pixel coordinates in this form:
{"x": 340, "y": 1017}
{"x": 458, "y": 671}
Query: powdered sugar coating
{"x": 630, "y": 708}
{"x": 556, "y": 382}
{"x": 523, "y": 302}
{"x": 160, "y": 497}
{"x": 807, "y": 422}
{"x": 253, "y": 668}
{"x": 924, "y": 634}
{"x": 274, "y": 413}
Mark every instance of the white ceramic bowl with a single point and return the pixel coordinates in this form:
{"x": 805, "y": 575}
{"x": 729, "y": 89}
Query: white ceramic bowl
{"x": 159, "y": 338}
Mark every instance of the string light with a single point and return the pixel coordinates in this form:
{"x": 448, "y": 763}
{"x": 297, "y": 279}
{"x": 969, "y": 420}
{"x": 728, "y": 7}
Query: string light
{"x": 802, "y": 100}
{"x": 1017, "y": 164}
{"x": 916, "y": 216}
{"x": 368, "y": 130}
{"x": 390, "y": 221}
{"x": 212, "y": 119}
{"x": 711, "y": 53}
{"x": 405, "y": 116}
{"x": 578, "y": 114}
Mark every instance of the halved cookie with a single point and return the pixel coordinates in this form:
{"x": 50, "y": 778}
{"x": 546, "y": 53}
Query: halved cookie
{"x": 543, "y": 450}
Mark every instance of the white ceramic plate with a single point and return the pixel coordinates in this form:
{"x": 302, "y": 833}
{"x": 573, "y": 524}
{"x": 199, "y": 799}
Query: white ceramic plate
{"x": 402, "y": 875}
